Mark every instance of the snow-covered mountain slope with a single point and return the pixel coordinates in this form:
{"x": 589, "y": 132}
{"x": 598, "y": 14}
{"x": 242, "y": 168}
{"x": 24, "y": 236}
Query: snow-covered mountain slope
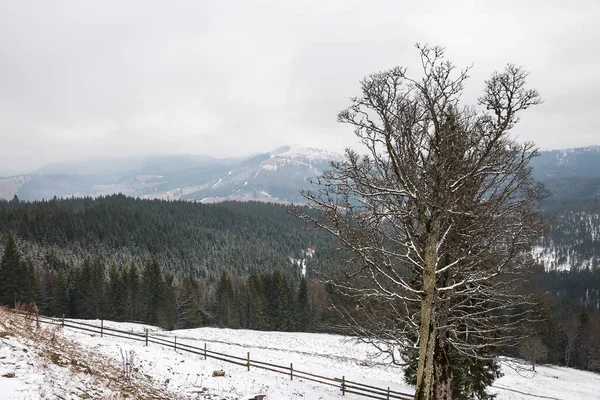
{"x": 277, "y": 175}
{"x": 40, "y": 363}
{"x": 73, "y": 364}
{"x": 323, "y": 354}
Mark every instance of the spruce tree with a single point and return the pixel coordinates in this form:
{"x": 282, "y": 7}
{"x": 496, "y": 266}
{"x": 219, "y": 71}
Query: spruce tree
{"x": 151, "y": 291}
{"x": 256, "y": 306}
{"x": 167, "y": 313}
{"x": 60, "y": 304}
{"x": 115, "y": 294}
{"x": 284, "y": 303}
{"x": 189, "y": 309}
{"x": 90, "y": 290}
{"x": 304, "y": 313}
{"x": 31, "y": 287}
{"x": 225, "y": 307}
{"x": 131, "y": 281}
{"x": 12, "y": 273}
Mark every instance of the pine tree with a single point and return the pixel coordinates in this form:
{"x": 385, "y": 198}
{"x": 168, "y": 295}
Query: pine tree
{"x": 91, "y": 283}
{"x": 256, "y": 305}
{"x": 284, "y": 303}
{"x": 167, "y": 313}
{"x": 115, "y": 294}
{"x": 60, "y": 304}
{"x": 189, "y": 309}
{"x": 31, "y": 287}
{"x": 304, "y": 313}
{"x": 151, "y": 291}
{"x": 12, "y": 273}
{"x": 225, "y": 305}
{"x": 131, "y": 281}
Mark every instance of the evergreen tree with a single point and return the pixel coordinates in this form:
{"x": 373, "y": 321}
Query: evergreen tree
{"x": 60, "y": 303}
{"x": 242, "y": 303}
{"x": 12, "y": 273}
{"x": 115, "y": 294}
{"x": 131, "y": 282}
{"x": 225, "y": 305}
{"x": 91, "y": 283}
{"x": 304, "y": 313}
{"x": 168, "y": 307}
{"x": 256, "y": 305}
{"x": 151, "y": 291}
{"x": 283, "y": 303}
{"x": 31, "y": 287}
{"x": 189, "y": 309}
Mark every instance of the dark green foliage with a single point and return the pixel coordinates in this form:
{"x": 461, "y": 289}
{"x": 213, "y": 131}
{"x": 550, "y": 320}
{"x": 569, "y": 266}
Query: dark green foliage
{"x": 131, "y": 283}
{"x": 60, "y": 305}
{"x": 167, "y": 312}
{"x": 304, "y": 314}
{"x": 226, "y": 309}
{"x": 115, "y": 294}
{"x": 471, "y": 377}
{"x": 17, "y": 277}
{"x": 188, "y": 306}
{"x": 182, "y": 236}
{"x": 90, "y": 286}
{"x": 152, "y": 289}
{"x": 31, "y": 289}
{"x": 281, "y": 301}
{"x": 256, "y": 304}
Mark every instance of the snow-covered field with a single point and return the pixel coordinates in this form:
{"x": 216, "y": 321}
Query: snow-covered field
{"x": 188, "y": 375}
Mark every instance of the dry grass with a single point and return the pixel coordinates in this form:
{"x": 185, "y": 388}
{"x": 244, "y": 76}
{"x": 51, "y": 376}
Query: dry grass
{"x": 103, "y": 372}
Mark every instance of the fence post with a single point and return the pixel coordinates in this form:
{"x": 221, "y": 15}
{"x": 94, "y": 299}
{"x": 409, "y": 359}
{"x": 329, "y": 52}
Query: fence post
{"x": 146, "y": 337}
{"x": 205, "y": 350}
{"x": 343, "y": 385}
{"x": 175, "y": 343}
{"x": 63, "y": 321}
{"x": 291, "y": 372}
{"x": 388, "y": 393}
{"x": 101, "y": 328}
{"x": 248, "y": 361}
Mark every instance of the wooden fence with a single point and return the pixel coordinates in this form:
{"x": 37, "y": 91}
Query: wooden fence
{"x": 344, "y": 385}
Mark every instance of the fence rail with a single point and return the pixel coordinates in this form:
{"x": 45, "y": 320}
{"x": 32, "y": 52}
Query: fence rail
{"x": 345, "y": 386}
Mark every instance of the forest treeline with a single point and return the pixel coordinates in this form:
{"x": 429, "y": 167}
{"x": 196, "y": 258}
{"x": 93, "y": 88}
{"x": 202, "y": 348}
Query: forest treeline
{"x": 268, "y": 300}
{"x": 184, "y": 237}
{"x": 184, "y": 265}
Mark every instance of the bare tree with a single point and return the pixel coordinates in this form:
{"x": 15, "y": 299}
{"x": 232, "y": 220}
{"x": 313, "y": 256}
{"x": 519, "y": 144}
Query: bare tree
{"x": 594, "y": 343}
{"x": 533, "y": 350}
{"x": 570, "y": 328}
{"x": 437, "y": 218}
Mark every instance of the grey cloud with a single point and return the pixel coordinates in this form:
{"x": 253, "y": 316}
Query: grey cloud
{"x": 96, "y": 78}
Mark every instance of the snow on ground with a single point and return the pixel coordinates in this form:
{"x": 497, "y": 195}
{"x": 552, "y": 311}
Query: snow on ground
{"x": 322, "y": 354}
{"x": 548, "y": 382}
{"x": 40, "y": 364}
{"x": 327, "y": 355}
{"x": 185, "y": 375}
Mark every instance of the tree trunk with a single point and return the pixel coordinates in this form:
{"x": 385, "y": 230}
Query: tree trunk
{"x": 443, "y": 372}
{"x": 442, "y": 368}
{"x": 428, "y": 332}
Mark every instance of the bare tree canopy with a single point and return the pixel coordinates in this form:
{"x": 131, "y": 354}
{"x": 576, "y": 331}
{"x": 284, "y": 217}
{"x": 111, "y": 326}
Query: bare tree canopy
{"x": 437, "y": 218}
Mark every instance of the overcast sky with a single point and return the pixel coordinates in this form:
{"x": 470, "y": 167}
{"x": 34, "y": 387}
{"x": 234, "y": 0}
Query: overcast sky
{"x": 82, "y": 79}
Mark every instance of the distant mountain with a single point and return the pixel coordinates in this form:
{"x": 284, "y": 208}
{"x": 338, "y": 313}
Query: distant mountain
{"x": 558, "y": 164}
{"x": 573, "y": 210}
{"x": 571, "y": 174}
{"x": 275, "y": 176}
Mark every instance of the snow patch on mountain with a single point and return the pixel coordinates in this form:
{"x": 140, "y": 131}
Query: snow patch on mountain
{"x": 309, "y": 153}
